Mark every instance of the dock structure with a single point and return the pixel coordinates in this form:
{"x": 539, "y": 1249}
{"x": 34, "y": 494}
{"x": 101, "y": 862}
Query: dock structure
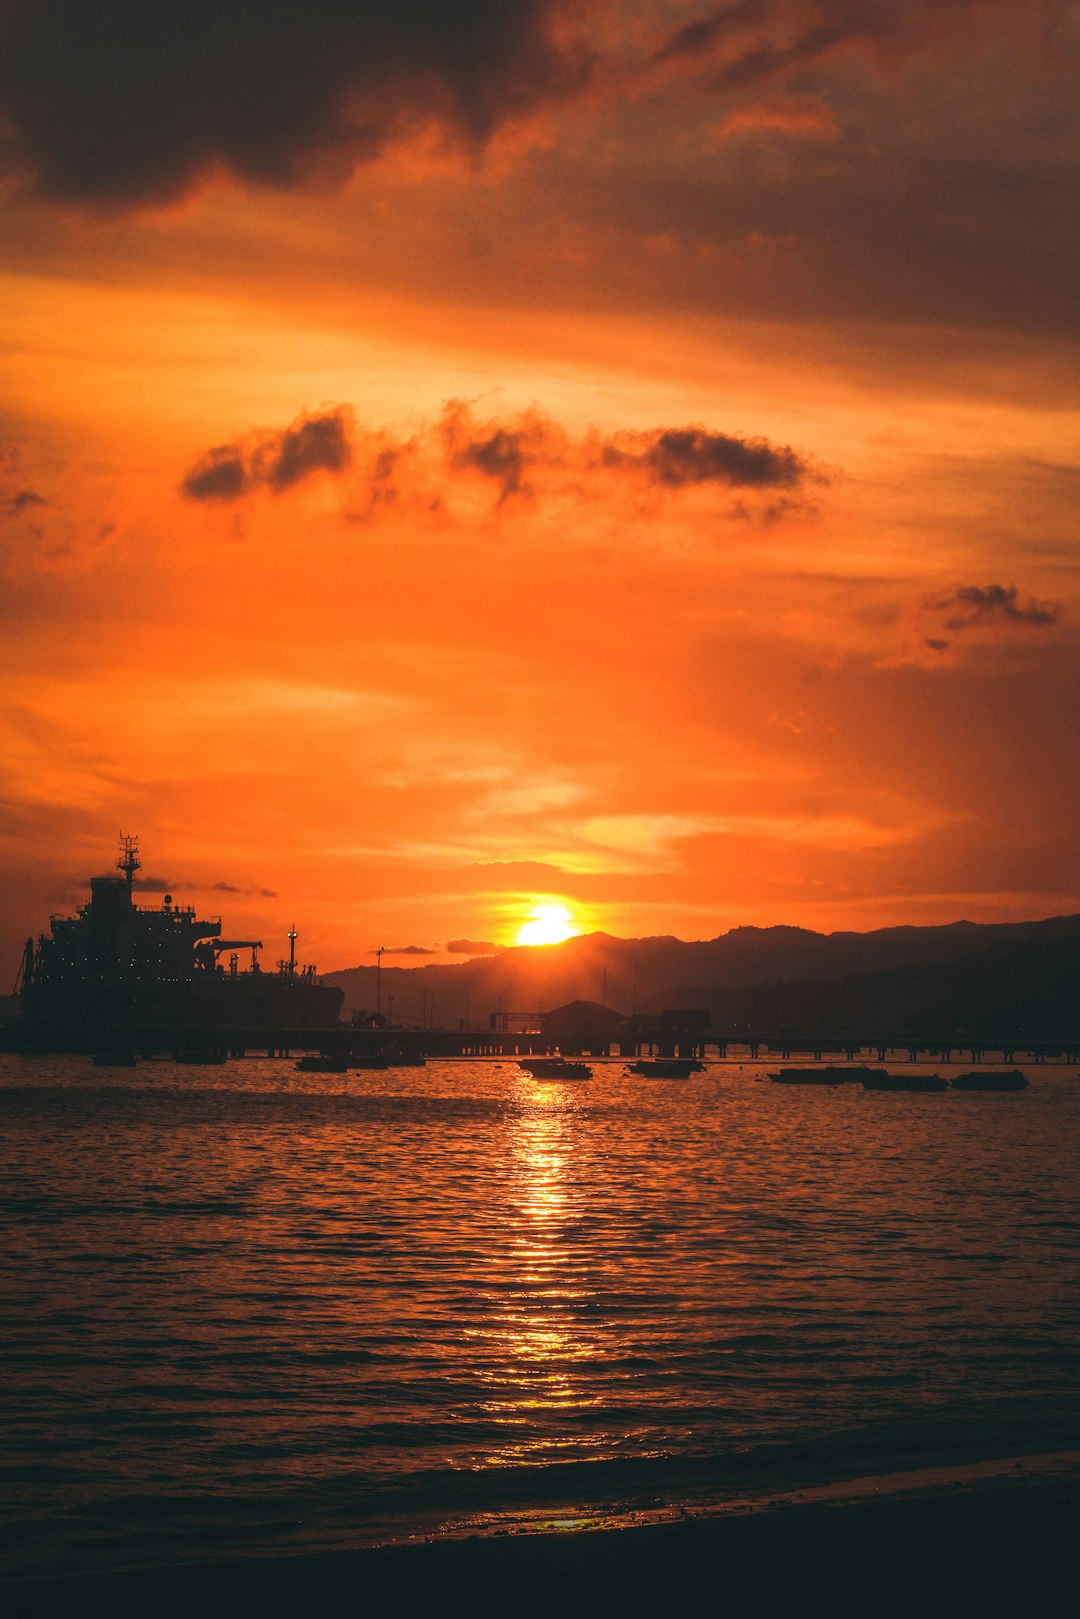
{"x": 590, "y": 1029}
{"x": 343, "y": 1039}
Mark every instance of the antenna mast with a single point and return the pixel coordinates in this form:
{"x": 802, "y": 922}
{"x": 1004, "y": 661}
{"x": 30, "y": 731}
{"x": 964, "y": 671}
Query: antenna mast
{"x": 129, "y": 862}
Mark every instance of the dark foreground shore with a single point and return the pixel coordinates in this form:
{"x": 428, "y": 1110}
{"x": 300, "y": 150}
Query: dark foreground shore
{"x": 999, "y": 1547}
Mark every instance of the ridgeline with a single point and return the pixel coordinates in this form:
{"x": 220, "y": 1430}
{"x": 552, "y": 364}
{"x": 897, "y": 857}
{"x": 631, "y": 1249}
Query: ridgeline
{"x": 984, "y": 980}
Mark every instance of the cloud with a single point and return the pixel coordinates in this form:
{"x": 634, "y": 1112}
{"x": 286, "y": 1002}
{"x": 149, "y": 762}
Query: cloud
{"x": 500, "y": 456}
{"x": 976, "y": 605}
{"x": 24, "y": 498}
{"x": 272, "y": 460}
{"x": 472, "y": 947}
{"x": 218, "y": 475}
{"x": 524, "y": 456}
{"x": 678, "y": 456}
{"x": 231, "y": 888}
{"x": 153, "y": 885}
{"x": 126, "y": 103}
{"x": 806, "y": 116}
{"x": 404, "y": 950}
{"x": 312, "y": 444}
{"x": 936, "y": 630}
{"x": 754, "y": 41}
{"x": 501, "y": 451}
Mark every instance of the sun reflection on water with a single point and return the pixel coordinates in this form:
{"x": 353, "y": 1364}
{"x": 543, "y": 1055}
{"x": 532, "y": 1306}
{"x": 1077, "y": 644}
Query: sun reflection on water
{"x": 538, "y": 1339}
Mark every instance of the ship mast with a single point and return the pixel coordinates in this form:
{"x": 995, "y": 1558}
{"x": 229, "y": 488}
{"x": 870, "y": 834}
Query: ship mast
{"x": 129, "y": 861}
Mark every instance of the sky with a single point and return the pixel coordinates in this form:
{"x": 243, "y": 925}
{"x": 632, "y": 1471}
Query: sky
{"x": 461, "y": 459}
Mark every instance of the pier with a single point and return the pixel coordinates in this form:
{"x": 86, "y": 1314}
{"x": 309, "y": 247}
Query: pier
{"x": 346, "y": 1041}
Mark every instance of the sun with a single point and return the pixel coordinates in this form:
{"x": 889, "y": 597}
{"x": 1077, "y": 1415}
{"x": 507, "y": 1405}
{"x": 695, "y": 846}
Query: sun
{"x": 548, "y": 924}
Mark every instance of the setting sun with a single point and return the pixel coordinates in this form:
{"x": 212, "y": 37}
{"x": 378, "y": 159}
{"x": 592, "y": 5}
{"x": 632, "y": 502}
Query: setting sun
{"x": 548, "y": 924}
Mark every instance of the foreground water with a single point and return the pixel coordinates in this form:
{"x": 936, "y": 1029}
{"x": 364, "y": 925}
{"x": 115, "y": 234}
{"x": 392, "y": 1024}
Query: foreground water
{"x": 244, "y": 1308}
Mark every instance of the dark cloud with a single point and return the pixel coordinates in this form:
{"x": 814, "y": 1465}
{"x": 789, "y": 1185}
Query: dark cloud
{"x": 526, "y": 454}
{"x": 218, "y": 475}
{"x": 472, "y": 947}
{"x": 404, "y": 950}
{"x": 502, "y": 451}
{"x": 231, "y": 888}
{"x": 971, "y": 605}
{"x": 669, "y": 457}
{"x": 153, "y": 885}
{"x": 274, "y": 461}
{"x": 313, "y": 444}
{"x": 501, "y": 456}
{"x": 125, "y": 102}
{"x": 678, "y": 456}
{"x": 25, "y": 498}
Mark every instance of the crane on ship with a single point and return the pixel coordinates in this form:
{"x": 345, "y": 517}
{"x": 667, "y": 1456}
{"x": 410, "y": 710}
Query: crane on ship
{"x": 208, "y": 950}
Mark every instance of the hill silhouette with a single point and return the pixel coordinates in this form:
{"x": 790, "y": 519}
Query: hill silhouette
{"x": 937, "y": 979}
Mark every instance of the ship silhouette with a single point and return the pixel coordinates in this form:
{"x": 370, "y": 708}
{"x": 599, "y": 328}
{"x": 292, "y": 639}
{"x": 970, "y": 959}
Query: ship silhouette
{"x": 117, "y": 974}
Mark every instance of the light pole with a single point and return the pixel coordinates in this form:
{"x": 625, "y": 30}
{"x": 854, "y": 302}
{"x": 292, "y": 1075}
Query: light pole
{"x": 378, "y": 980}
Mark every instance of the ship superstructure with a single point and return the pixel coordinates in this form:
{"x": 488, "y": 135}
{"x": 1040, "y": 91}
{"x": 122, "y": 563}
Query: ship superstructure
{"x": 117, "y": 965}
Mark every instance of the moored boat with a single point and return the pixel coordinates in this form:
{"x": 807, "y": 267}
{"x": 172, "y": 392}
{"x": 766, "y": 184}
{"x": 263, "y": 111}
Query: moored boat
{"x": 990, "y": 1079}
{"x": 554, "y": 1068}
{"x": 403, "y": 1059}
{"x": 904, "y": 1082}
{"x": 828, "y": 1074}
{"x": 665, "y": 1067}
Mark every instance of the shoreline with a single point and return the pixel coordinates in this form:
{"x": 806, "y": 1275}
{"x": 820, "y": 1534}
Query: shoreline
{"x": 978, "y": 1538}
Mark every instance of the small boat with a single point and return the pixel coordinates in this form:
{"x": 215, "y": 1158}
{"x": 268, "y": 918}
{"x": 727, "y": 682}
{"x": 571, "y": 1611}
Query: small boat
{"x": 554, "y": 1068}
{"x": 665, "y": 1067}
{"x": 990, "y": 1079}
{"x": 322, "y": 1064}
{"x": 829, "y": 1074}
{"x": 366, "y": 1062}
{"x": 904, "y": 1082}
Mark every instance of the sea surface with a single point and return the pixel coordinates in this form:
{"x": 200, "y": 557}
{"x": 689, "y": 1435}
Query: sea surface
{"x": 247, "y": 1309}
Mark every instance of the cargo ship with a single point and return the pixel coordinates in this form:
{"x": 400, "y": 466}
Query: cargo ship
{"x": 118, "y": 974}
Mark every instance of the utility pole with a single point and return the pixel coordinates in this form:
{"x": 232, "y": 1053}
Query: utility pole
{"x": 378, "y": 980}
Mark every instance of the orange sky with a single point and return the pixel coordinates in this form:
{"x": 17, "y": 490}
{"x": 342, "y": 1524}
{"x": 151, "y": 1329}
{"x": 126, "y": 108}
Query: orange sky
{"x": 620, "y": 455}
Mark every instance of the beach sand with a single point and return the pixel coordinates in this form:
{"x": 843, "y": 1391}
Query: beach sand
{"x": 988, "y": 1542}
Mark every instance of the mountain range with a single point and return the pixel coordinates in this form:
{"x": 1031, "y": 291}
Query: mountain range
{"x": 982, "y": 978}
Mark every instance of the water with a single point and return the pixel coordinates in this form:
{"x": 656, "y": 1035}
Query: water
{"x": 244, "y": 1308}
